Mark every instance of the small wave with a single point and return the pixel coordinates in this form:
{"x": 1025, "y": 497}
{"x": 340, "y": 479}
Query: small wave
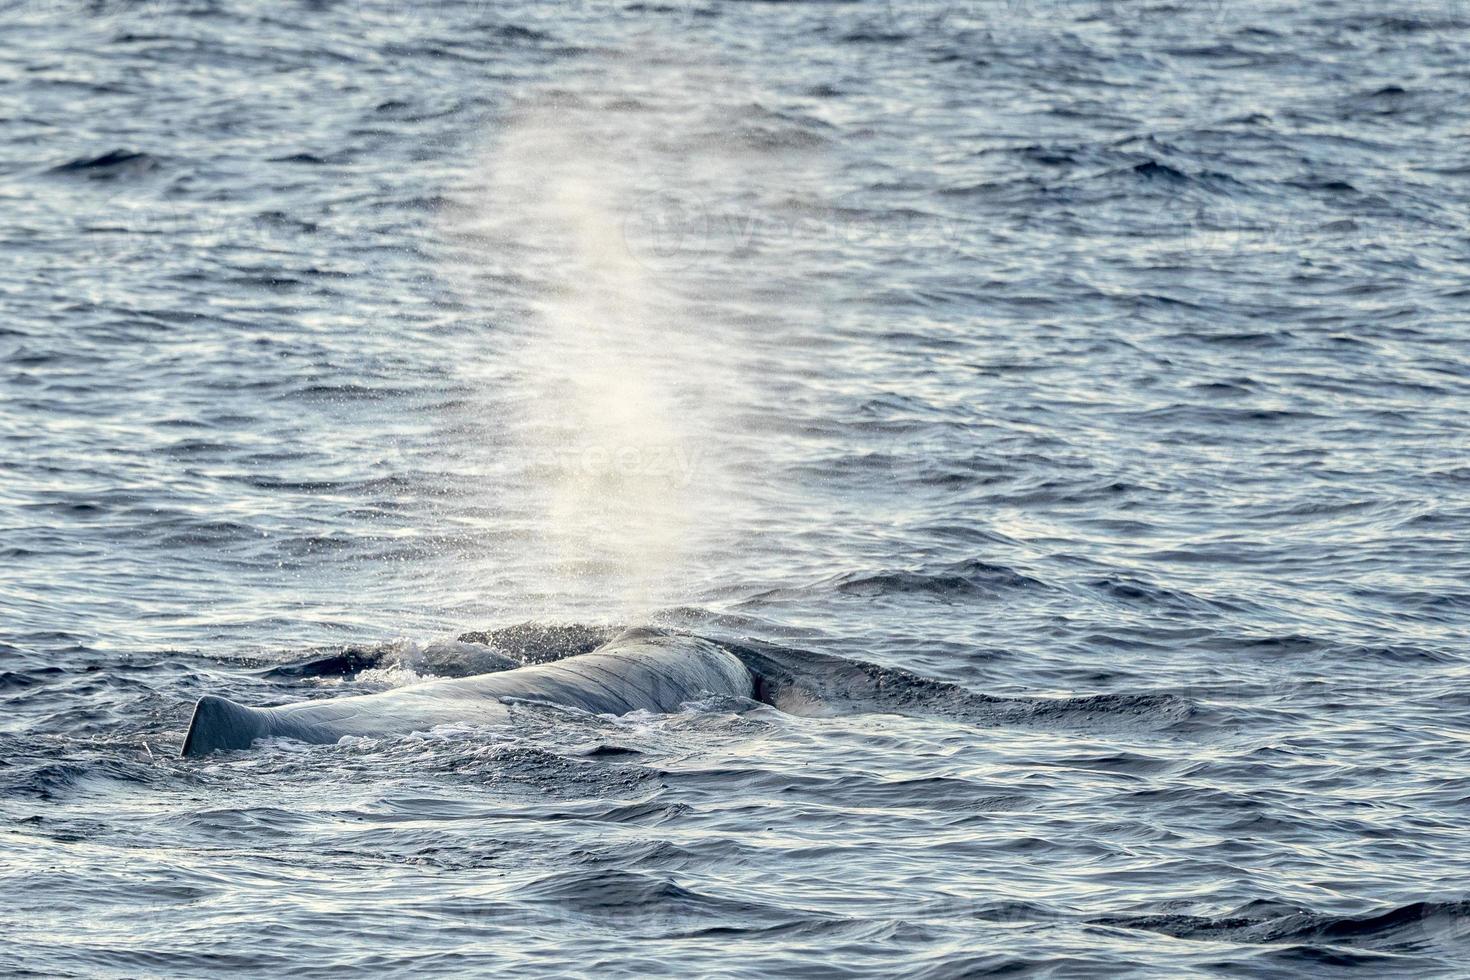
{"x": 970, "y": 577}
{"x": 1134, "y": 591}
{"x": 874, "y": 37}
{"x": 636, "y": 898}
{"x": 1403, "y": 926}
{"x": 110, "y": 165}
{"x": 1153, "y": 170}
{"x": 51, "y": 781}
{"x": 19, "y": 680}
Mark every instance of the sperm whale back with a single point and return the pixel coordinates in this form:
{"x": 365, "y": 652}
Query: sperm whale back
{"x": 637, "y": 671}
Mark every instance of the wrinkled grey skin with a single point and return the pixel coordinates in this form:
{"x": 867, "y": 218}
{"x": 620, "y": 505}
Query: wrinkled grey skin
{"x": 637, "y": 670}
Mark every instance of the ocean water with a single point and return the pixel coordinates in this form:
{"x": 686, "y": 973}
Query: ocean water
{"x": 1107, "y": 355}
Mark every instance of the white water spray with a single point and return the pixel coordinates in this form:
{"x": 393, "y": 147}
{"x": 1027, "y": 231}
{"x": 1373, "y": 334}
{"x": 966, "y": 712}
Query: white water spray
{"x": 625, "y": 372}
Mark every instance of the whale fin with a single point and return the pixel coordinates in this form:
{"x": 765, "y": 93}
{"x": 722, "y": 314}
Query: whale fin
{"x": 221, "y": 724}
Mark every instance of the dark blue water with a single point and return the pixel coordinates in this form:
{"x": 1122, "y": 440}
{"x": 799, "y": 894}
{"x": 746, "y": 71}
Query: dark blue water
{"x": 1107, "y": 352}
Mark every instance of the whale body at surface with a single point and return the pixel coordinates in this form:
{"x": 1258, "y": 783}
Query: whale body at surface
{"x": 650, "y": 670}
{"x": 640, "y": 670}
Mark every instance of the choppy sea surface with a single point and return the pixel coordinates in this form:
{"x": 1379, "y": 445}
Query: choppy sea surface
{"x": 1106, "y": 352}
